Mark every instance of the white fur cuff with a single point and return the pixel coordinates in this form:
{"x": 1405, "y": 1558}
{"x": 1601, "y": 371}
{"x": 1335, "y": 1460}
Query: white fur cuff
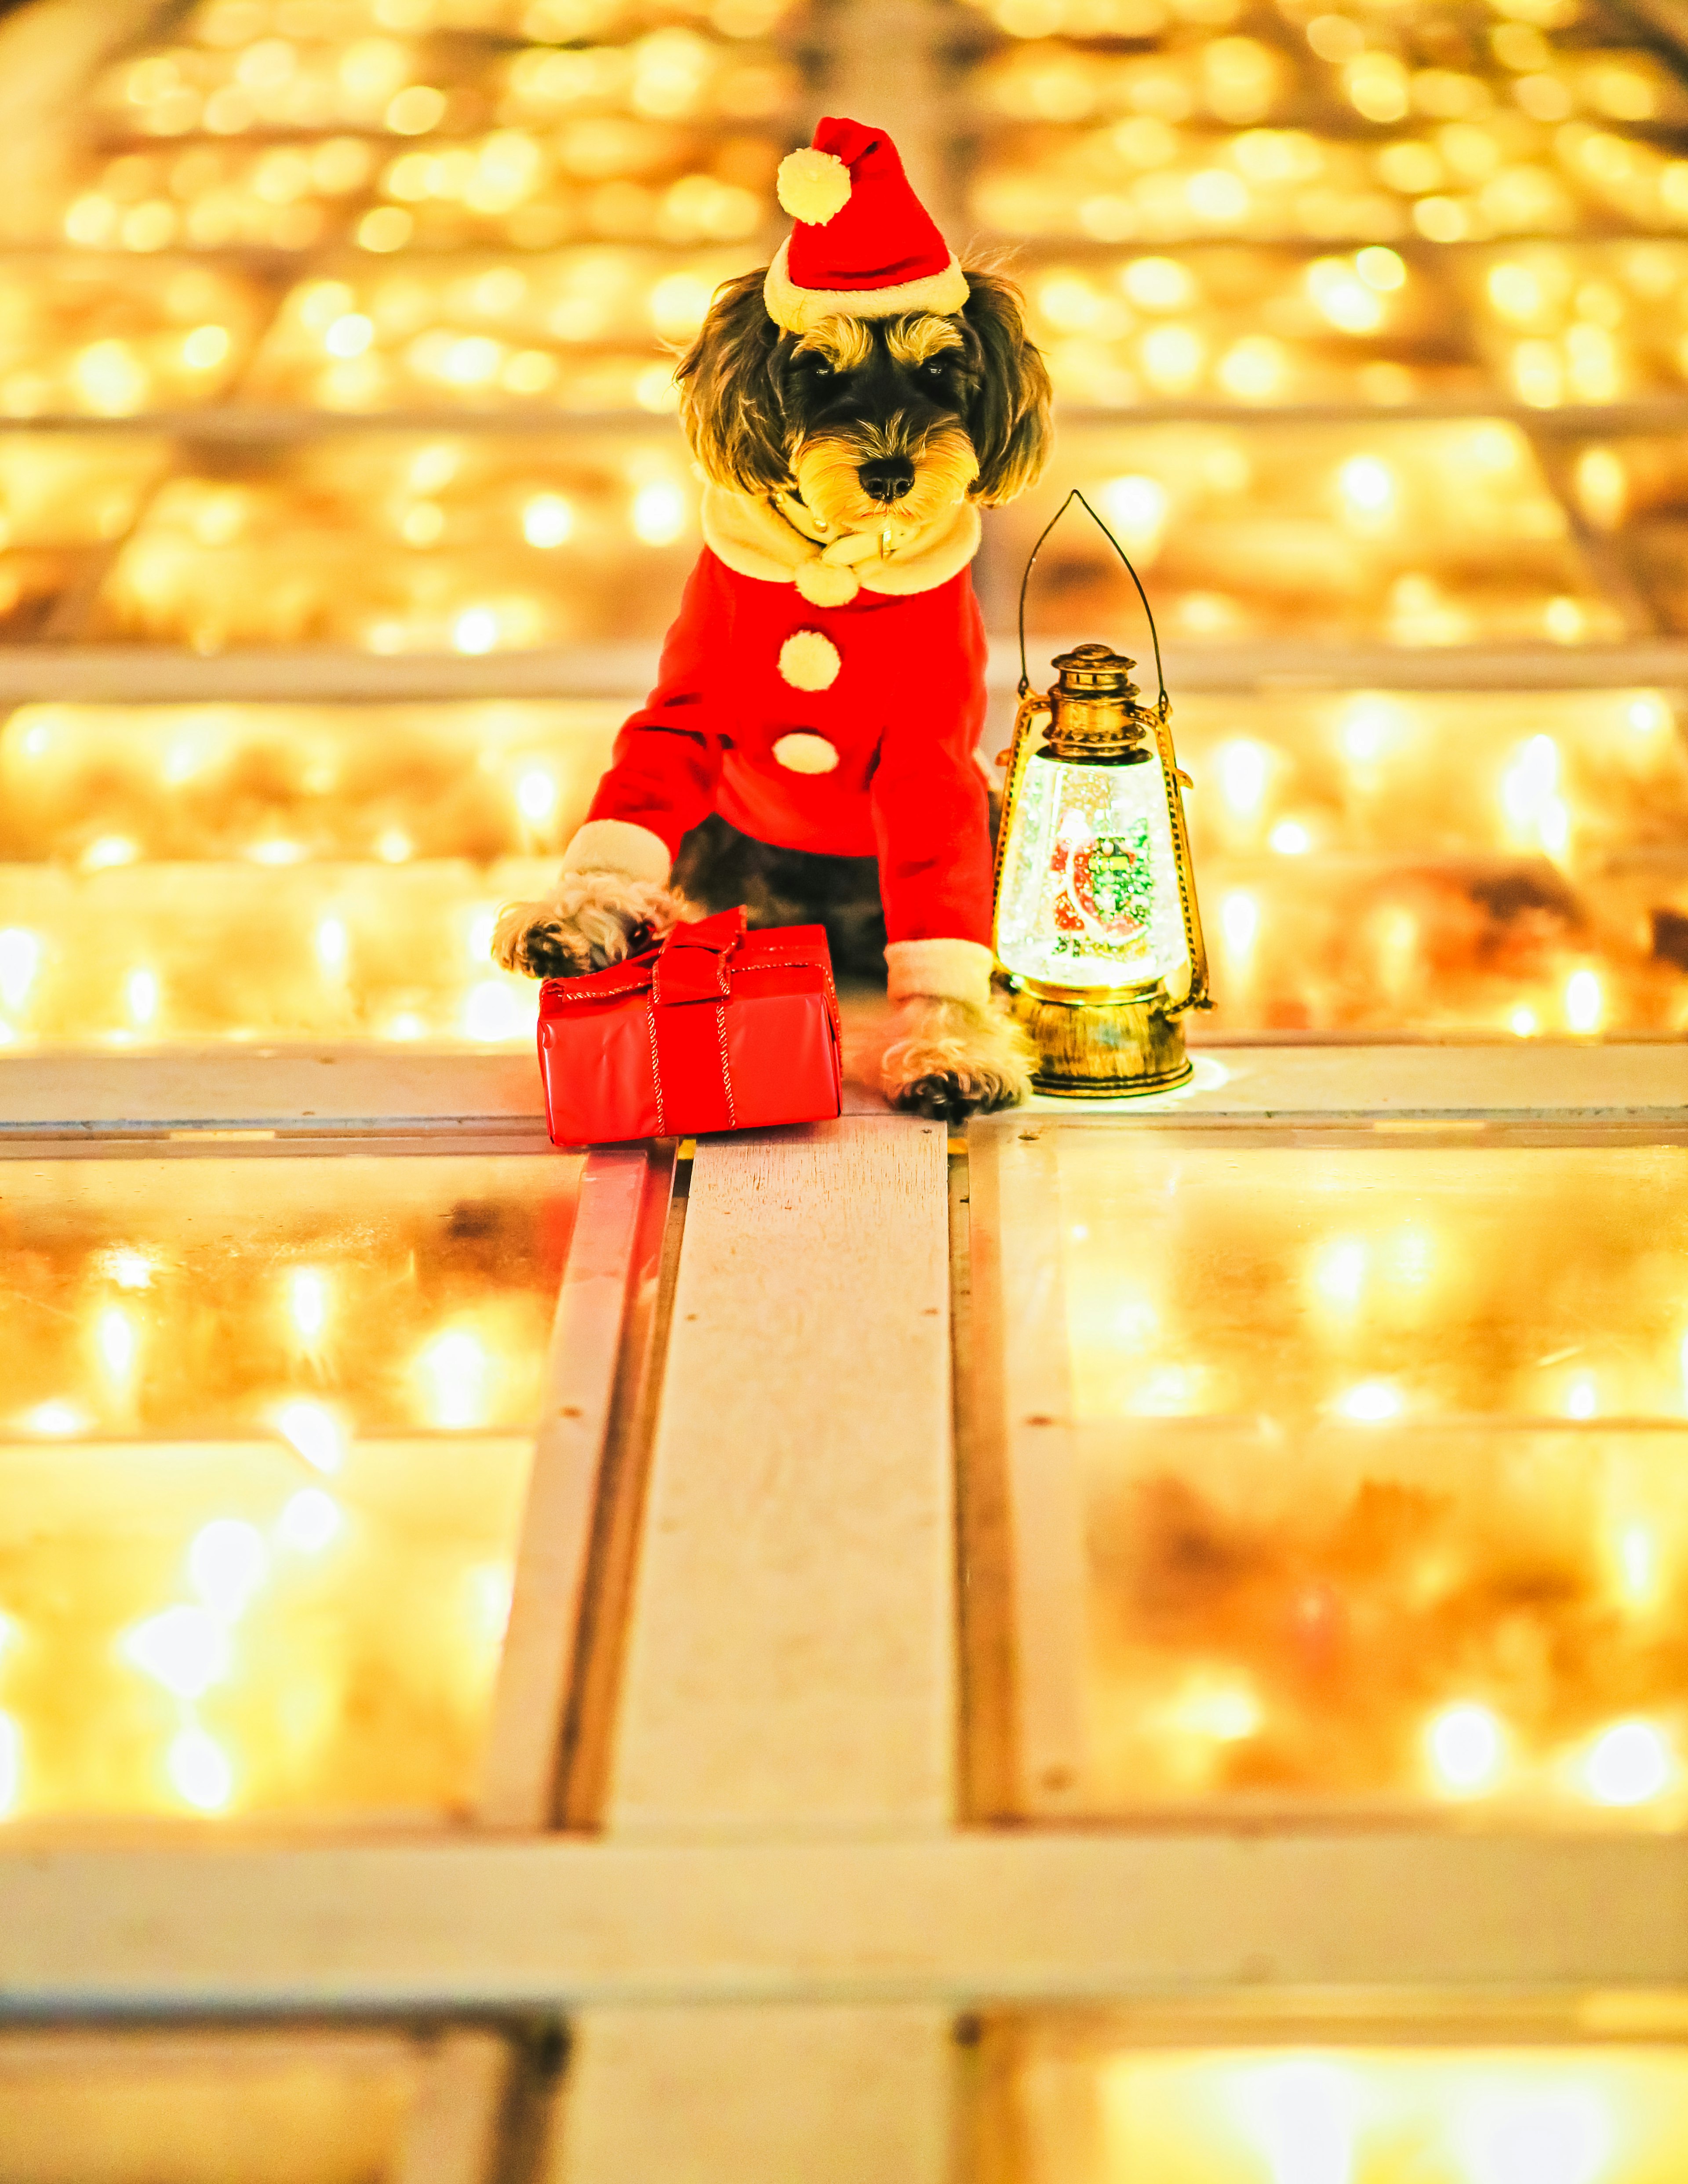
{"x": 617, "y": 846}
{"x": 946, "y": 970}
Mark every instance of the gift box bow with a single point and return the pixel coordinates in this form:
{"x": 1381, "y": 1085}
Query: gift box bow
{"x": 688, "y": 986}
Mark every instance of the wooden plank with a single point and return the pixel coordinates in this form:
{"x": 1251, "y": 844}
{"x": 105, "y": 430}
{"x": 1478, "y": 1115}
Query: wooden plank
{"x": 161, "y": 674}
{"x": 240, "y": 419}
{"x": 137, "y": 674}
{"x": 1020, "y": 1303}
{"x": 988, "y": 1699}
{"x": 351, "y": 1090}
{"x": 757, "y": 2096}
{"x": 1640, "y": 1080}
{"x": 589, "y": 1722}
{"x": 963, "y": 1919}
{"x": 307, "y": 1089}
{"x": 455, "y": 2130}
{"x": 312, "y": 1090}
{"x": 536, "y": 1670}
{"x": 1267, "y": 663}
{"x": 1642, "y": 413}
{"x": 790, "y": 1659}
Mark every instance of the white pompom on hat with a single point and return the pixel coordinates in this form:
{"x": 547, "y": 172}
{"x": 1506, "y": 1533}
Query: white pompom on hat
{"x": 813, "y": 184}
{"x": 864, "y": 246}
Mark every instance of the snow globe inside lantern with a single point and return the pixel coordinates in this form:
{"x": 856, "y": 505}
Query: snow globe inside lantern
{"x": 1097, "y": 927}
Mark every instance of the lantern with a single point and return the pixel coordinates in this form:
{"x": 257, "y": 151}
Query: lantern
{"x": 1097, "y": 925}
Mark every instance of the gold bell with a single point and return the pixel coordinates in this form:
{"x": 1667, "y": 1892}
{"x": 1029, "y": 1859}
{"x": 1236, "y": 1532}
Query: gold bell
{"x": 1097, "y": 929}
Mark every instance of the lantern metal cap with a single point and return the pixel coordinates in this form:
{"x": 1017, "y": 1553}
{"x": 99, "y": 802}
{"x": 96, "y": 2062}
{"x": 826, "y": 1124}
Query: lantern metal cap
{"x": 1094, "y": 670}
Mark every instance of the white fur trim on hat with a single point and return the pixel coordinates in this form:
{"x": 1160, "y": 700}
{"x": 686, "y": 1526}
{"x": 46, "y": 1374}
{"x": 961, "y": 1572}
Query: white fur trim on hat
{"x": 812, "y": 185}
{"x": 808, "y": 660}
{"x": 800, "y": 309}
{"x": 943, "y": 970}
{"x": 801, "y": 752}
{"x": 618, "y": 845}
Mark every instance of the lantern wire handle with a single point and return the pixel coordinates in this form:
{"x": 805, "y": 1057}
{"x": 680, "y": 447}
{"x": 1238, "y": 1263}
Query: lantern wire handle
{"x": 1154, "y": 634}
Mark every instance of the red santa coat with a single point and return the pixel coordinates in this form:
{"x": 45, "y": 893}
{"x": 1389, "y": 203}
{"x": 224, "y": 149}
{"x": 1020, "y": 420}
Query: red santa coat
{"x": 846, "y": 728}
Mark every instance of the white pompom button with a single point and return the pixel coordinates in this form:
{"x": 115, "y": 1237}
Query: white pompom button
{"x": 824, "y": 585}
{"x": 802, "y": 753}
{"x": 809, "y": 661}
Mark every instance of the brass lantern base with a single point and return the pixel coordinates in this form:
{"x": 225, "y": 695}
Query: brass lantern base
{"x": 1104, "y": 1048}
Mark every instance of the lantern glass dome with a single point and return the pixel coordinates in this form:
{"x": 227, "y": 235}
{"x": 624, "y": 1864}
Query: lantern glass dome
{"x": 1089, "y": 895}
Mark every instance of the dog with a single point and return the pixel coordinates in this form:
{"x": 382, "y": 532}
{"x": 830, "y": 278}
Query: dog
{"x": 810, "y": 749}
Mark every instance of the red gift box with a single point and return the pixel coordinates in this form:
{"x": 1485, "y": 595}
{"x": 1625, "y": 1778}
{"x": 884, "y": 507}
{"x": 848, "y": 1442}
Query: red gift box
{"x": 718, "y": 1029}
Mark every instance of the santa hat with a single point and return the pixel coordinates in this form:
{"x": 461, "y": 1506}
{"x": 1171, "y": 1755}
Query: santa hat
{"x": 864, "y": 246}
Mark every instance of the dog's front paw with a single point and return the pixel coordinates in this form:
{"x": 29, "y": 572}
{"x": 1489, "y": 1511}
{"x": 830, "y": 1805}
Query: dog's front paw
{"x": 593, "y": 919}
{"x": 951, "y": 1059}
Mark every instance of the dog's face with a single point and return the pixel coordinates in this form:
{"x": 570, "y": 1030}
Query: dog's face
{"x": 879, "y": 423}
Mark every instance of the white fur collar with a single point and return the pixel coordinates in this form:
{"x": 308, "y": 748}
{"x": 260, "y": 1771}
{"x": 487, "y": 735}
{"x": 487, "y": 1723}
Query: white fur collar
{"x": 755, "y": 538}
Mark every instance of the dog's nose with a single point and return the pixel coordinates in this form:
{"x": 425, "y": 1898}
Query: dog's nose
{"x": 887, "y": 479}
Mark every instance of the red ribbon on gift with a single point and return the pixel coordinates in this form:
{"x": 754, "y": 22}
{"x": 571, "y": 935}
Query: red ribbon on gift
{"x": 689, "y": 990}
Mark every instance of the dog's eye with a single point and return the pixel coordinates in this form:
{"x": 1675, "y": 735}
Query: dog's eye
{"x": 935, "y": 368}
{"x": 821, "y": 369}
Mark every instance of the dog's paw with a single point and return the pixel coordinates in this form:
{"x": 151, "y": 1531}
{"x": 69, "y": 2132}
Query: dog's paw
{"x": 950, "y": 1060}
{"x": 592, "y": 920}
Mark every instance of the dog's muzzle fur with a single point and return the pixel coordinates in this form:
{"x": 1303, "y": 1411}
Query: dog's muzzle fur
{"x": 889, "y": 475}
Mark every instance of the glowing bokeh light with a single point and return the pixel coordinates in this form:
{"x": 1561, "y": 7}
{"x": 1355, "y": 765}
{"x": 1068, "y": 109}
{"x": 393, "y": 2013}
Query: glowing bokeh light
{"x": 455, "y": 1372}
{"x": 141, "y": 997}
{"x": 117, "y": 1342}
{"x": 1301, "y": 2115}
{"x": 548, "y": 521}
{"x": 1585, "y": 1001}
{"x": 129, "y": 1268}
{"x": 1243, "y": 766}
{"x": 1466, "y": 1745}
{"x": 317, "y": 1432}
{"x": 1372, "y": 1402}
{"x": 200, "y": 1771}
{"x": 110, "y": 851}
{"x": 185, "y": 1649}
{"x": 1536, "y": 2135}
{"x": 495, "y": 1011}
{"x": 488, "y": 1588}
{"x": 226, "y": 1564}
{"x": 1367, "y": 484}
{"x": 1224, "y": 1710}
{"x": 536, "y": 795}
{"x": 308, "y": 1300}
{"x": 57, "y": 1418}
{"x": 20, "y": 962}
{"x": 11, "y": 1765}
{"x": 658, "y": 513}
{"x": 310, "y": 1521}
{"x": 1239, "y": 923}
{"x": 333, "y": 946}
{"x": 1630, "y": 1764}
{"x": 475, "y": 630}
{"x": 1638, "y": 1564}
{"x": 1339, "y": 1273}
{"x": 1136, "y": 508}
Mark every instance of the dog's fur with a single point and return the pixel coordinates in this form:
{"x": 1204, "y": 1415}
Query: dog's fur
{"x": 874, "y": 424}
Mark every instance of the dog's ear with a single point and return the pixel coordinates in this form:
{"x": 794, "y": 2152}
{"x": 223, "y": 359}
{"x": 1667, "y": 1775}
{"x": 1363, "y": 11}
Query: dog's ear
{"x": 729, "y": 394}
{"x": 1008, "y": 418}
